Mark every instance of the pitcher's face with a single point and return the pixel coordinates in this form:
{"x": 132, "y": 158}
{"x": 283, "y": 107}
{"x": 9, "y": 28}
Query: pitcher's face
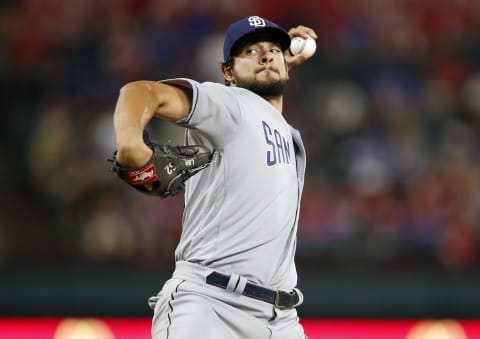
{"x": 260, "y": 67}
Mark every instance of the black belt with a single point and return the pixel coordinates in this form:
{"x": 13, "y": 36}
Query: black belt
{"x": 281, "y": 299}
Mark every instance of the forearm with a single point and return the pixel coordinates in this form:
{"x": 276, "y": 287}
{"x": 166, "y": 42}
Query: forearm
{"x": 136, "y": 105}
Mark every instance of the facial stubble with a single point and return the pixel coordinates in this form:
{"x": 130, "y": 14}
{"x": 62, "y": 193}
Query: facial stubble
{"x": 264, "y": 88}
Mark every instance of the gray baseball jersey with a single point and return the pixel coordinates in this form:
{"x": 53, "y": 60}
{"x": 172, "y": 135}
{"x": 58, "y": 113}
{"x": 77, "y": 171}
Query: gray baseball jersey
{"x": 241, "y": 213}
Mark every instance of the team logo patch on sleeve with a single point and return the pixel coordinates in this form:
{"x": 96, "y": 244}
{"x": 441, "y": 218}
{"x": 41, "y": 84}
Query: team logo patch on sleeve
{"x": 142, "y": 176}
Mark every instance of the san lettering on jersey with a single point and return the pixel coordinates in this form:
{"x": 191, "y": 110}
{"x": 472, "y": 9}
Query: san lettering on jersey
{"x": 278, "y": 147}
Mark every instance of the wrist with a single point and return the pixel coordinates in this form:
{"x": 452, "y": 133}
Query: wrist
{"x": 133, "y": 155}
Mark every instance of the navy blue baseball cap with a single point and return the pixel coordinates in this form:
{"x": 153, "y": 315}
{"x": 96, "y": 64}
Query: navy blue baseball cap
{"x": 242, "y": 28}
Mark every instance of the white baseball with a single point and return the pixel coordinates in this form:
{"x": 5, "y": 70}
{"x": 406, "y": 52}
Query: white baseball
{"x": 306, "y": 47}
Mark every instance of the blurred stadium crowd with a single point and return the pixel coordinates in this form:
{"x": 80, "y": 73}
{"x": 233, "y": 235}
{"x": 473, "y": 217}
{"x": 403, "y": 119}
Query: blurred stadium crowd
{"x": 389, "y": 109}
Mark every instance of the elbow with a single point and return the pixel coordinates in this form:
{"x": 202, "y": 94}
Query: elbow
{"x": 135, "y": 87}
{"x": 138, "y": 100}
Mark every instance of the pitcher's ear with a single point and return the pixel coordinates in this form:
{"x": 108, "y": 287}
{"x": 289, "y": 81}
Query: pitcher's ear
{"x": 226, "y": 68}
{"x": 227, "y": 71}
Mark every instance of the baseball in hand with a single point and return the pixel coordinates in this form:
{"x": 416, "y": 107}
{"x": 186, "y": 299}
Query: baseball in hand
{"x": 303, "y": 46}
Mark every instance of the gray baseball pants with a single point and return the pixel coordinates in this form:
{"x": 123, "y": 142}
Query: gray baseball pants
{"x": 188, "y": 307}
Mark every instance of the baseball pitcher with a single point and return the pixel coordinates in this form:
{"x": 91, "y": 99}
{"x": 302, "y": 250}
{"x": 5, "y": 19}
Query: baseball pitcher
{"x": 242, "y": 167}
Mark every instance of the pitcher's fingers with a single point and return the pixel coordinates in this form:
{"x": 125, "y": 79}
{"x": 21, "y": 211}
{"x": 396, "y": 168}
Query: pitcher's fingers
{"x": 302, "y": 31}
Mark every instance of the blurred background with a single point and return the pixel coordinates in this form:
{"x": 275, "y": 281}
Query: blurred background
{"x": 389, "y": 109}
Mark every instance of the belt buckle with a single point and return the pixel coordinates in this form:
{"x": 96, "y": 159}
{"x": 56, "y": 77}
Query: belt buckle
{"x": 284, "y": 300}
